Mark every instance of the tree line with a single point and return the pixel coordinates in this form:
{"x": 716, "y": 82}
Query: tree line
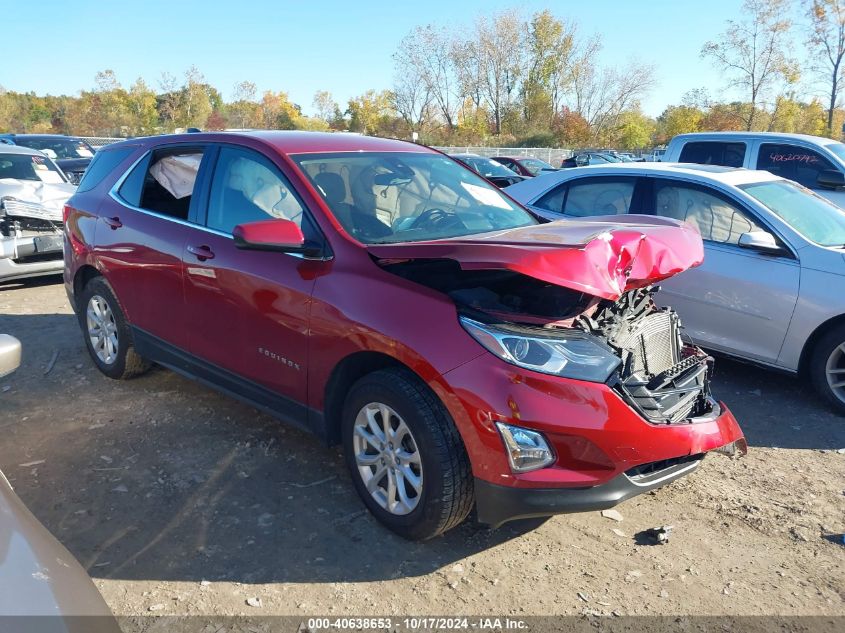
{"x": 505, "y": 79}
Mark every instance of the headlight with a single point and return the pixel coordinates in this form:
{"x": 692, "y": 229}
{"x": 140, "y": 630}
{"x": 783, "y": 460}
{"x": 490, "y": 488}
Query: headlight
{"x": 567, "y": 353}
{"x": 527, "y": 450}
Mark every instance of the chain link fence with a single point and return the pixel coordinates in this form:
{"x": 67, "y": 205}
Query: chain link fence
{"x": 551, "y": 155}
{"x": 99, "y": 141}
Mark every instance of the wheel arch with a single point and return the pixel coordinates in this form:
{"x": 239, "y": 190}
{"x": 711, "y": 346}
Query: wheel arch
{"x": 83, "y": 275}
{"x": 345, "y": 374}
{"x": 812, "y": 340}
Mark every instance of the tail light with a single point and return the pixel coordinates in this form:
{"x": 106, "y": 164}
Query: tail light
{"x": 66, "y": 213}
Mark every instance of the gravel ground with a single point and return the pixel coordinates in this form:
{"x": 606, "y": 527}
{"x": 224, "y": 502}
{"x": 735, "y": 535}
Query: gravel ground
{"x": 179, "y": 500}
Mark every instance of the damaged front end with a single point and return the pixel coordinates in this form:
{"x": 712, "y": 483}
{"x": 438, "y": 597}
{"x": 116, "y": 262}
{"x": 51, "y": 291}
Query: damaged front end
{"x": 664, "y": 378}
{"x": 527, "y": 303}
{"x": 30, "y": 231}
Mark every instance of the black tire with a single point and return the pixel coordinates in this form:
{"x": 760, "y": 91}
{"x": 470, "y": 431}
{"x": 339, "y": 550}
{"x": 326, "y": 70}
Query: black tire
{"x": 127, "y": 363}
{"x": 447, "y": 491}
{"x": 817, "y": 368}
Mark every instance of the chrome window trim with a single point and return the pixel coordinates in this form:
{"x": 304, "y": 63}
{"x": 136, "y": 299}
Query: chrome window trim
{"x": 113, "y": 194}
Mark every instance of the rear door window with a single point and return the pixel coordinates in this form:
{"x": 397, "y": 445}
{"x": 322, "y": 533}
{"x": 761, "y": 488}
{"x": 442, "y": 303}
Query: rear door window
{"x": 727, "y": 154}
{"x": 164, "y": 182}
{"x": 793, "y": 162}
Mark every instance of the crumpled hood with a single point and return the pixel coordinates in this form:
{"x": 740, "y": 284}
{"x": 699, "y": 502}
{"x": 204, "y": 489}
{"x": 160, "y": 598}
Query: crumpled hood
{"x": 42, "y": 200}
{"x": 603, "y": 256}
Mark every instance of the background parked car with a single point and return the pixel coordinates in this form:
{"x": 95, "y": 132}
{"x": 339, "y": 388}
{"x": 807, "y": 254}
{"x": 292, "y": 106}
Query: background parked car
{"x": 493, "y": 171}
{"x": 582, "y": 159}
{"x": 71, "y": 154}
{"x": 817, "y": 163}
{"x": 527, "y": 166}
{"x": 32, "y": 192}
{"x": 38, "y": 576}
{"x": 772, "y": 286}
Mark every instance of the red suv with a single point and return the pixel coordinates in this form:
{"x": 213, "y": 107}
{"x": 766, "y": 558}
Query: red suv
{"x": 381, "y": 295}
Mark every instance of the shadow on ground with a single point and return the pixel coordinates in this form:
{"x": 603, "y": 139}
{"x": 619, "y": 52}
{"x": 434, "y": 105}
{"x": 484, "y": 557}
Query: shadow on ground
{"x": 161, "y": 478}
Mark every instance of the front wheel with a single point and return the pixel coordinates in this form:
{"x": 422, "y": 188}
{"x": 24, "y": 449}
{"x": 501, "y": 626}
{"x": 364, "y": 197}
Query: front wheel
{"x": 827, "y": 368}
{"x": 106, "y": 332}
{"x": 407, "y": 460}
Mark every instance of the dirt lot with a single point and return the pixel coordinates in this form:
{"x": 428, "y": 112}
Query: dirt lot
{"x": 181, "y": 501}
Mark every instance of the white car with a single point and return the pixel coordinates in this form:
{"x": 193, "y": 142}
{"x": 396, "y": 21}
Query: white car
{"x": 771, "y": 289}
{"x": 33, "y": 191}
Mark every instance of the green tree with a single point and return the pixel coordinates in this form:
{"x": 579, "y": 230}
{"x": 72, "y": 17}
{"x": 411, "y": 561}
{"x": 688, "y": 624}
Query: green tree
{"x": 369, "y": 112}
{"x": 635, "y": 130}
{"x": 141, "y": 104}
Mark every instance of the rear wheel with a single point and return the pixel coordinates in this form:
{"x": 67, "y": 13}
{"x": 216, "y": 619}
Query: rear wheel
{"x": 827, "y": 368}
{"x": 407, "y": 460}
{"x": 106, "y": 332}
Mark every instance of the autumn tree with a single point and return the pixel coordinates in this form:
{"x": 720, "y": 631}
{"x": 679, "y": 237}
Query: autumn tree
{"x": 551, "y": 48}
{"x": 369, "y": 112}
{"x": 501, "y": 40}
{"x": 753, "y": 52}
{"x": 827, "y": 41}
{"x": 141, "y": 105}
{"x": 425, "y": 56}
{"x": 326, "y": 108}
{"x": 244, "y": 107}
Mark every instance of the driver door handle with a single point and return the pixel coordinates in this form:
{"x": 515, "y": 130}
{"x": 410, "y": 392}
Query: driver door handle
{"x": 202, "y": 253}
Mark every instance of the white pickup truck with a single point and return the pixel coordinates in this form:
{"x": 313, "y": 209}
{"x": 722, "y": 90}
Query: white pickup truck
{"x": 817, "y": 163}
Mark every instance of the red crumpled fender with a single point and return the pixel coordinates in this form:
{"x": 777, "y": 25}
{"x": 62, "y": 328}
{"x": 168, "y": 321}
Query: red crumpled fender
{"x": 603, "y": 256}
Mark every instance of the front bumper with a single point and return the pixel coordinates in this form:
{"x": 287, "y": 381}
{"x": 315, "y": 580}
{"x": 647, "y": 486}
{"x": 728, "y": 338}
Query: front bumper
{"x": 496, "y": 504}
{"x": 11, "y": 270}
{"x": 599, "y": 440}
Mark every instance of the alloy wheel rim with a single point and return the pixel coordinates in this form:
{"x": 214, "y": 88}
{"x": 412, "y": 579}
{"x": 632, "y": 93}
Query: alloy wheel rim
{"x": 102, "y": 329}
{"x": 388, "y": 458}
{"x": 835, "y": 371}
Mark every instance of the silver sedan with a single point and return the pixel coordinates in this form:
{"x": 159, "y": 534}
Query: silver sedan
{"x": 771, "y": 289}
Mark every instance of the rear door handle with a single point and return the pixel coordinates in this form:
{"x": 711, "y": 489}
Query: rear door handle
{"x": 114, "y": 223}
{"x": 202, "y": 253}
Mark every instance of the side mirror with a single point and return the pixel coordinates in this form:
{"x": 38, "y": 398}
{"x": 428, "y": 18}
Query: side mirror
{"x": 760, "y": 241}
{"x": 281, "y": 236}
{"x": 831, "y": 179}
{"x": 10, "y": 354}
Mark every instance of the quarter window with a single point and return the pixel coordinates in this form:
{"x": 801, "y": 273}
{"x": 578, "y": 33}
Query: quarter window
{"x": 713, "y": 153}
{"x": 793, "y": 162}
{"x": 715, "y": 218}
{"x": 246, "y": 188}
{"x": 102, "y": 165}
{"x": 605, "y": 197}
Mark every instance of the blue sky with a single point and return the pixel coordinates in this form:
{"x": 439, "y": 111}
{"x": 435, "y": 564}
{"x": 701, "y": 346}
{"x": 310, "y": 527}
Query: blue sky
{"x": 343, "y": 46}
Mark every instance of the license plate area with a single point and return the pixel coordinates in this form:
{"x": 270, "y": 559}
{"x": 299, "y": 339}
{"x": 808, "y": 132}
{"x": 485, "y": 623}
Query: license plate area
{"x": 47, "y": 243}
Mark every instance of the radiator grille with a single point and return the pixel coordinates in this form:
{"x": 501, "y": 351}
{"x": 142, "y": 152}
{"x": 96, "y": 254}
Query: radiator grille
{"x": 653, "y": 344}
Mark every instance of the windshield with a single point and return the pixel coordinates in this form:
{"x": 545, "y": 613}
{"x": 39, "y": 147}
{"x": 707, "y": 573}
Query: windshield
{"x": 534, "y": 165}
{"x": 58, "y": 147}
{"x": 389, "y": 197}
{"x": 487, "y": 167}
{"x": 814, "y": 217}
{"x": 29, "y": 167}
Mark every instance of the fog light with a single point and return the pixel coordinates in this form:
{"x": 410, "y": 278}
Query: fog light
{"x": 527, "y": 450}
